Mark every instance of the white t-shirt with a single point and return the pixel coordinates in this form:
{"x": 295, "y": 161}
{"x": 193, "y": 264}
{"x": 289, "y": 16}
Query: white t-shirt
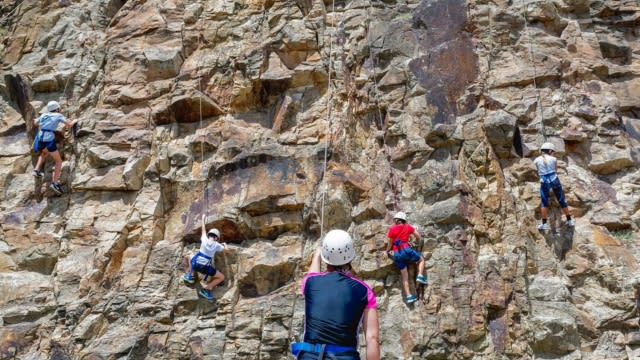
{"x": 210, "y": 247}
{"x": 49, "y": 121}
{"x": 546, "y": 169}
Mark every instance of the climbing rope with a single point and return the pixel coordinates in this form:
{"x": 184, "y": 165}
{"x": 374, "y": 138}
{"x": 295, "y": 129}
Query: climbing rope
{"x": 200, "y": 78}
{"x": 330, "y": 121}
{"x": 392, "y": 179}
{"x": 6, "y": 16}
{"x": 525, "y": 8}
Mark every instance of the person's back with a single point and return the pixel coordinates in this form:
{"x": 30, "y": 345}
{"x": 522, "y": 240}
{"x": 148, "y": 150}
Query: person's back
{"x": 335, "y": 304}
{"x": 546, "y": 164}
{"x": 48, "y": 122}
{"x": 210, "y": 247}
{"x": 400, "y": 233}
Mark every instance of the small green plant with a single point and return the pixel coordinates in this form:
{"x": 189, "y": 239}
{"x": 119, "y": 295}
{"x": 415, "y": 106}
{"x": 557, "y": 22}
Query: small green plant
{"x": 623, "y": 234}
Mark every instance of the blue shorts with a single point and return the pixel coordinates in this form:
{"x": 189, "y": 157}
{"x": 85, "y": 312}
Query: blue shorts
{"x": 203, "y": 264}
{"x": 49, "y": 145}
{"x": 405, "y": 257}
{"x": 554, "y": 185}
{"x": 39, "y": 144}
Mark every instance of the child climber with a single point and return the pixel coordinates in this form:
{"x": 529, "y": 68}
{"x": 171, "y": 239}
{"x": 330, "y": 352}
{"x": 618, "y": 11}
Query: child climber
{"x": 202, "y": 262}
{"x": 402, "y": 253}
{"x": 547, "y": 165}
{"x": 45, "y": 143}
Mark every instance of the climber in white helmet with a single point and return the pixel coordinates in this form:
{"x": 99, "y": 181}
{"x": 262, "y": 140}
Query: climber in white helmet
{"x": 45, "y": 143}
{"x": 202, "y": 262}
{"x": 400, "y": 250}
{"x": 336, "y": 304}
{"x": 547, "y": 165}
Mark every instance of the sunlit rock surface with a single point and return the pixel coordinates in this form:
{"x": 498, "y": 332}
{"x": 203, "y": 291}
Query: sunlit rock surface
{"x": 230, "y": 108}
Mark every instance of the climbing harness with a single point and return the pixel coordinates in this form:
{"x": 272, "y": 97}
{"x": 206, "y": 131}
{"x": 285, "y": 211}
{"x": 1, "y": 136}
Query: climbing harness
{"x": 201, "y": 263}
{"x": 321, "y": 349}
{"x": 399, "y": 245}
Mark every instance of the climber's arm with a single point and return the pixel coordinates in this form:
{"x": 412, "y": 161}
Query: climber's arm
{"x": 315, "y": 262}
{"x": 371, "y": 330}
{"x": 204, "y": 229}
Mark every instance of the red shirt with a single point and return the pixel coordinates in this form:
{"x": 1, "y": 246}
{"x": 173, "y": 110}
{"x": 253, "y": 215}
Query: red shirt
{"x": 400, "y": 232}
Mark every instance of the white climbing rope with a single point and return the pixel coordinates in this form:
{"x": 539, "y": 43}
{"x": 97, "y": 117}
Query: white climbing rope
{"x": 5, "y": 16}
{"x": 525, "y": 7}
{"x": 204, "y": 183}
{"x": 330, "y": 121}
{"x": 392, "y": 177}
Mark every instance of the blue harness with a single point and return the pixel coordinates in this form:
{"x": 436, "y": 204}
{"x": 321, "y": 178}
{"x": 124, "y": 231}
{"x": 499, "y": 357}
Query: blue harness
{"x": 335, "y": 349}
{"x": 548, "y": 178}
{"x": 200, "y": 263}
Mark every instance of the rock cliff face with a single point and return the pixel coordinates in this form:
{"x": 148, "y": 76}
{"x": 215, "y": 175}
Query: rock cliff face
{"x": 280, "y": 120}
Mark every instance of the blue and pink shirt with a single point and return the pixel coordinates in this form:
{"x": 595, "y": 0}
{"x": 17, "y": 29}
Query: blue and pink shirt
{"x": 334, "y": 306}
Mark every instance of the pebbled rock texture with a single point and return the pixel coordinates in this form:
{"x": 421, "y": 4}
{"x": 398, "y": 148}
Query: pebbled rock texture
{"x": 229, "y": 108}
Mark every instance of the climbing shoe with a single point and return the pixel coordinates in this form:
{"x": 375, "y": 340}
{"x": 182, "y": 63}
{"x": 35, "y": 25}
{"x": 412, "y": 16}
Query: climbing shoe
{"x": 421, "y": 279}
{"x": 544, "y": 226}
{"x": 56, "y": 188}
{"x": 188, "y": 278}
{"x": 206, "y": 294}
{"x": 411, "y": 299}
{"x": 37, "y": 173}
{"x": 571, "y": 222}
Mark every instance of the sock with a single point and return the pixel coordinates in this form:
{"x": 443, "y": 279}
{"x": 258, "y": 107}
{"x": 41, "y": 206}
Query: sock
{"x": 544, "y": 221}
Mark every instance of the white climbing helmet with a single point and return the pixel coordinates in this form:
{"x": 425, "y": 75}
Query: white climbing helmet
{"x": 214, "y": 232}
{"x": 337, "y": 248}
{"x": 400, "y": 215}
{"x": 548, "y": 146}
{"x": 52, "y": 106}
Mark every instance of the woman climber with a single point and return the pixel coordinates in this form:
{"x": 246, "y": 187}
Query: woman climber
{"x": 45, "y": 143}
{"x": 202, "y": 262}
{"x": 547, "y": 166}
{"x": 335, "y": 304}
{"x": 402, "y": 254}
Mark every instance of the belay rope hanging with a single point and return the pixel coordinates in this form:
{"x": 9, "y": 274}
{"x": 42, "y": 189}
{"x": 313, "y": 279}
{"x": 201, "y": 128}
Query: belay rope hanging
{"x": 205, "y": 180}
{"x": 200, "y": 78}
{"x": 540, "y": 107}
{"x": 323, "y": 185}
{"x": 392, "y": 178}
